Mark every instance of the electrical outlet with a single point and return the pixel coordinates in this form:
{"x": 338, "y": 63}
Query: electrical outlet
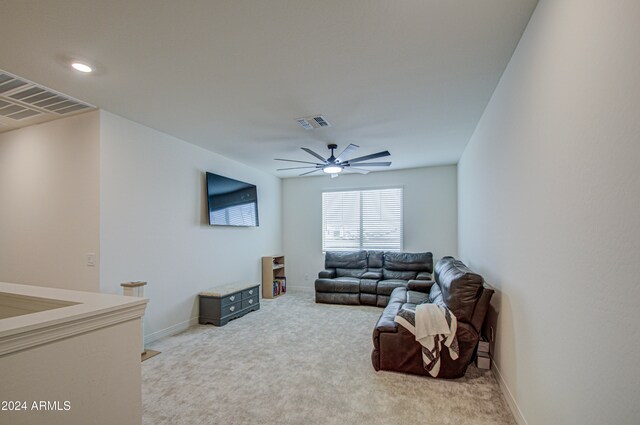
{"x": 306, "y": 276}
{"x": 91, "y": 259}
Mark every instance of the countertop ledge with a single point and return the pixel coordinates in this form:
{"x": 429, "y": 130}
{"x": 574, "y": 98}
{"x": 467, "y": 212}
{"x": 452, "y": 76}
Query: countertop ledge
{"x": 88, "y": 311}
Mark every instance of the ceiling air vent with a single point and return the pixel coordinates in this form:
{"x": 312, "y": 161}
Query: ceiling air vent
{"x": 23, "y": 103}
{"x": 316, "y": 121}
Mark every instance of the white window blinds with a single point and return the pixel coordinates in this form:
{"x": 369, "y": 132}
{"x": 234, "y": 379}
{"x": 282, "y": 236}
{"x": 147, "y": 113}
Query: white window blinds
{"x": 362, "y": 219}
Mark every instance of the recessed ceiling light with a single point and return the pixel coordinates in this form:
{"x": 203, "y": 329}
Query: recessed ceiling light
{"x": 78, "y": 66}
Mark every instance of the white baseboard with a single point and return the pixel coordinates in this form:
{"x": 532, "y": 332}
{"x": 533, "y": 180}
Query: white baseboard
{"x": 506, "y": 393}
{"x": 171, "y": 330}
{"x": 300, "y": 288}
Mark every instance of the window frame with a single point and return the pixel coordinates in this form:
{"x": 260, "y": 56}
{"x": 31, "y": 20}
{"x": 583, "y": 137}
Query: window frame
{"x": 361, "y": 189}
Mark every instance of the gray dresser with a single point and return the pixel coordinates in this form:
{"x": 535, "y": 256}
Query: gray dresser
{"x": 220, "y": 304}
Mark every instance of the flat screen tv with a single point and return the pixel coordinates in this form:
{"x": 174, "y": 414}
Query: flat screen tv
{"x": 231, "y": 202}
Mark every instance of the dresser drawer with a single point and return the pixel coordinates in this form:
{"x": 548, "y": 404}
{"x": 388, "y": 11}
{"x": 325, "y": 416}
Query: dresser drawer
{"x": 250, "y": 302}
{"x": 230, "y": 309}
{"x": 230, "y": 299}
{"x": 249, "y": 293}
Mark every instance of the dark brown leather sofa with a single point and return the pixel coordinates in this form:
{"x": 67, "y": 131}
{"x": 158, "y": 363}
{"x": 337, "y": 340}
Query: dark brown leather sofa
{"x": 369, "y": 277}
{"x": 456, "y": 287}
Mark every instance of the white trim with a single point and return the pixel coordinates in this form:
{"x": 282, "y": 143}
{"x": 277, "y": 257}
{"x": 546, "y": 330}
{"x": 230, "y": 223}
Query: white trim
{"x": 361, "y": 188}
{"x": 506, "y": 393}
{"x": 301, "y": 288}
{"x": 171, "y": 330}
{"x": 57, "y": 331}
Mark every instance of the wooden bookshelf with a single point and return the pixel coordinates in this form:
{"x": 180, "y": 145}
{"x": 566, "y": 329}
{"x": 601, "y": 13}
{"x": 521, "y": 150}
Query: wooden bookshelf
{"x": 274, "y": 280}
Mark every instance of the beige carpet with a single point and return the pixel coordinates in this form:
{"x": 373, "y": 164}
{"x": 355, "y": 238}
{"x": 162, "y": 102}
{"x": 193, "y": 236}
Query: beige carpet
{"x": 297, "y": 362}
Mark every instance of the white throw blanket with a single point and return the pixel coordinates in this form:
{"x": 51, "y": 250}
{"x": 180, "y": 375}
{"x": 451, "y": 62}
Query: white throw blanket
{"x": 434, "y": 327}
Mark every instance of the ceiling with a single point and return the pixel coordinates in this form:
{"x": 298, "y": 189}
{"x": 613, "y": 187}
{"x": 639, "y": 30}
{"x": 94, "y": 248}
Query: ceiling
{"x": 410, "y": 76}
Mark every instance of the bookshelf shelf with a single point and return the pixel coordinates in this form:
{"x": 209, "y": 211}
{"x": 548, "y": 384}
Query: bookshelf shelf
{"x": 274, "y": 280}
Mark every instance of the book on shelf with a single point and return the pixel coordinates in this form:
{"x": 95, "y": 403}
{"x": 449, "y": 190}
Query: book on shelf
{"x": 279, "y": 285}
{"x": 483, "y": 346}
{"x": 483, "y": 360}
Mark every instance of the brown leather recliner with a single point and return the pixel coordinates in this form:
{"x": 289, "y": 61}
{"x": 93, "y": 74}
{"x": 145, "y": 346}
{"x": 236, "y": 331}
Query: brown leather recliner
{"x": 455, "y": 287}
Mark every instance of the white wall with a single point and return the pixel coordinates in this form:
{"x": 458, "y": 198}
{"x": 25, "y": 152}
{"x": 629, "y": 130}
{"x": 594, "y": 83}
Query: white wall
{"x": 49, "y": 203}
{"x": 548, "y": 204}
{"x": 153, "y": 222}
{"x": 430, "y": 215}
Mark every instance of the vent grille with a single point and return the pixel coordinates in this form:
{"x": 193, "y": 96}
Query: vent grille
{"x": 23, "y": 102}
{"x": 312, "y": 122}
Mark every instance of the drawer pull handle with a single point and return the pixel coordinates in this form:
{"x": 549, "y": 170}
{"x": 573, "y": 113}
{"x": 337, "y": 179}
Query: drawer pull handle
{"x": 232, "y": 308}
{"x": 232, "y": 297}
{"x": 251, "y": 292}
{"x": 250, "y": 301}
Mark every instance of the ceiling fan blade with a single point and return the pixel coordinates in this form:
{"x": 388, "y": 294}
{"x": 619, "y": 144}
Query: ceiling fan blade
{"x": 374, "y": 164}
{"x": 309, "y": 151}
{"x": 294, "y": 160}
{"x": 346, "y": 152}
{"x": 309, "y": 172}
{"x": 294, "y": 168}
{"x": 372, "y": 156}
{"x": 357, "y": 170}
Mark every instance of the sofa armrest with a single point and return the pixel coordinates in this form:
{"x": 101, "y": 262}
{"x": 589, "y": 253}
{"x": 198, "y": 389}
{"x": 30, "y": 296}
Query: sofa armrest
{"x": 424, "y": 276}
{"x": 420, "y": 285}
{"x": 327, "y": 274}
{"x": 386, "y": 322}
{"x": 372, "y": 275}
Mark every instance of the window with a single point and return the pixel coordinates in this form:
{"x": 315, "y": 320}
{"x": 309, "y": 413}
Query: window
{"x": 362, "y": 219}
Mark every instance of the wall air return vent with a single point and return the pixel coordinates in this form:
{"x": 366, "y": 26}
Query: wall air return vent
{"x": 312, "y": 122}
{"x": 23, "y": 103}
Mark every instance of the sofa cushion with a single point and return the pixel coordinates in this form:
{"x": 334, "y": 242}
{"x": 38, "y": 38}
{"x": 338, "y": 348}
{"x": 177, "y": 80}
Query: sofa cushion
{"x": 350, "y": 272}
{"x": 416, "y": 298}
{"x": 398, "y": 274}
{"x": 382, "y": 300}
{"x": 482, "y": 306}
{"x": 424, "y": 276}
{"x": 420, "y": 285}
{"x": 346, "y": 260}
{"x": 375, "y": 259}
{"x": 386, "y": 322}
{"x": 372, "y": 274}
{"x": 385, "y": 287}
{"x": 368, "y": 299}
{"x": 368, "y": 286}
{"x": 402, "y": 261}
{"x": 435, "y": 295}
{"x": 341, "y": 284}
{"x": 337, "y": 298}
{"x": 460, "y": 287}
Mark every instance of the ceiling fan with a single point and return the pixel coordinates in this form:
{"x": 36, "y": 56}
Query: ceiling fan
{"x": 336, "y": 164}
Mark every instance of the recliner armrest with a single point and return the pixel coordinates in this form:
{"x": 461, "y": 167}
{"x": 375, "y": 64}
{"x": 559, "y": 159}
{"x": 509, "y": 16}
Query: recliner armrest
{"x": 372, "y": 275}
{"x": 420, "y": 285}
{"x": 424, "y": 276}
{"x": 327, "y": 274}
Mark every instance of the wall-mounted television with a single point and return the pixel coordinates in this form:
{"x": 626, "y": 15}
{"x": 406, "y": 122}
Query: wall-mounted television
{"x": 231, "y": 202}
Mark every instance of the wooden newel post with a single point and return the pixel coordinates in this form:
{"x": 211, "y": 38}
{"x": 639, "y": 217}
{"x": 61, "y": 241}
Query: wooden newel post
{"x": 136, "y": 289}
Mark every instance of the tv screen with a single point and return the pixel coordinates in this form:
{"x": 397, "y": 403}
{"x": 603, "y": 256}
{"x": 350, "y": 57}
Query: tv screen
{"x": 231, "y": 202}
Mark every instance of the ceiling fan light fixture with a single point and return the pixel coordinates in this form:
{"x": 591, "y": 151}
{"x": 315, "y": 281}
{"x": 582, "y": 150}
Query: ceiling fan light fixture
{"x": 82, "y": 67}
{"x": 332, "y": 169}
